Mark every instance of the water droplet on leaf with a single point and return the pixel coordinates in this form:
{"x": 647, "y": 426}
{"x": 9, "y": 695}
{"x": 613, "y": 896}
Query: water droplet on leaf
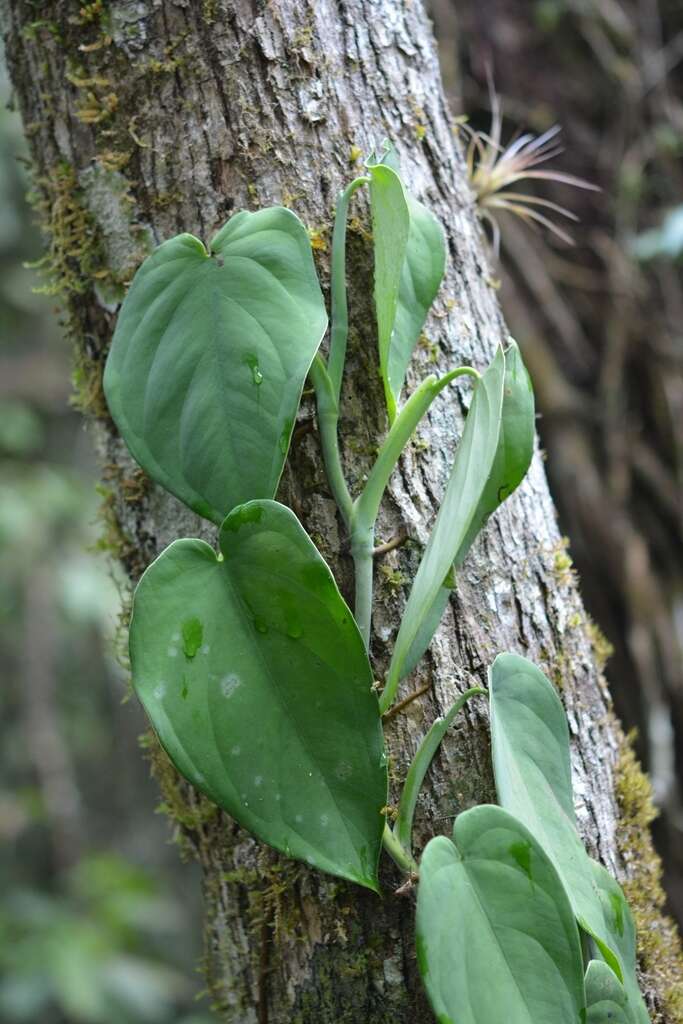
{"x": 256, "y": 375}
{"x": 294, "y": 627}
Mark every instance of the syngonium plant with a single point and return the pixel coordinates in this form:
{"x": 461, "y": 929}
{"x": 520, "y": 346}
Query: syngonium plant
{"x": 254, "y": 672}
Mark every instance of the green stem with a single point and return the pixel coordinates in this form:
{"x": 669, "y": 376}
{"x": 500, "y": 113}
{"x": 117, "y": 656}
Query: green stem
{"x": 366, "y": 506}
{"x": 398, "y": 853}
{"x": 423, "y": 758}
{"x": 362, "y": 544}
{"x": 328, "y": 421}
{"x": 340, "y": 312}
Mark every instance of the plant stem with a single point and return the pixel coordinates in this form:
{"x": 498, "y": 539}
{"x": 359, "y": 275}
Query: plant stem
{"x": 362, "y": 546}
{"x": 360, "y": 516}
{"x": 398, "y": 853}
{"x": 328, "y": 421}
{"x": 364, "y": 510}
{"x": 366, "y": 507}
{"x": 340, "y": 312}
{"x": 420, "y": 765}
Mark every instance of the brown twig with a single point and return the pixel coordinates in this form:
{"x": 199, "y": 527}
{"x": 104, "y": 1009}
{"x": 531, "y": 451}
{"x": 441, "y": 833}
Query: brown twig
{"x": 402, "y": 704}
{"x": 407, "y": 887}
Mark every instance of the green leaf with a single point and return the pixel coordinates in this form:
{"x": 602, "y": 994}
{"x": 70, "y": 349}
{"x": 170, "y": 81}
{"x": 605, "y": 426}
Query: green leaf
{"x": 606, "y": 999}
{"x": 496, "y": 936}
{"x": 210, "y": 355}
{"x": 410, "y": 260}
{"x": 512, "y": 460}
{"x": 390, "y": 229}
{"x": 530, "y": 748}
{"x": 622, "y": 930}
{"x": 273, "y": 717}
{"x": 420, "y": 765}
{"x": 468, "y": 479}
{"x": 428, "y": 627}
{"x": 515, "y": 445}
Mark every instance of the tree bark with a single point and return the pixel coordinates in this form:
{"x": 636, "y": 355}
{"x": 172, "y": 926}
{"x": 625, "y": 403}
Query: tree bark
{"x": 147, "y": 119}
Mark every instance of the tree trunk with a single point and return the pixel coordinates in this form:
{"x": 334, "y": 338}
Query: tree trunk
{"x": 147, "y": 119}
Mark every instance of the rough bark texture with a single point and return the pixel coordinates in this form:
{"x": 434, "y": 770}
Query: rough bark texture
{"x": 151, "y": 118}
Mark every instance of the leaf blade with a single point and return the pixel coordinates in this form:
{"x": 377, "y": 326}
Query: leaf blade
{"x": 606, "y": 1000}
{"x": 410, "y": 262}
{"x": 497, "y": 939}
{"x": 471, "y": 470}
{"x": 423, "y": 269}
{"x": 510, "y": 465}
{"x": 617, "y": 914}
{"x": 210, "y": 355}
{"x": 530, "y": 748}
{"x": 273, "y": 718}
{"x": 390, "y": 230}
{"x": 515, "y": 445}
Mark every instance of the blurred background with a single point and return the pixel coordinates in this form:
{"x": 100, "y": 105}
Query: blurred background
{"x": 100, "y": 921}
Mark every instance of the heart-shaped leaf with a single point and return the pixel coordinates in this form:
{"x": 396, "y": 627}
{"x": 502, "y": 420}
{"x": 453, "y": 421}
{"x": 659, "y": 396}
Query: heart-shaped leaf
{"x": 410, "y": 260}
{"x": 496, "y": 936}
{"x": 606, "y": 1000}
{"x": 511, "y": 462}
{"x": 255, "y": 677}
{"x": 530, "y": 749}
{"x": 468, "y": 479}
{"x": 210, "y": 355}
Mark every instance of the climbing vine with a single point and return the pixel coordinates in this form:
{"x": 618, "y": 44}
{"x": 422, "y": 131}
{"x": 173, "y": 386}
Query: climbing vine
{"x": 256, "y": 675}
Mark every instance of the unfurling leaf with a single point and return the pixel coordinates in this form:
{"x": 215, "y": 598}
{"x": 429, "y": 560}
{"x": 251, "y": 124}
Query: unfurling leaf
{"x": 273, "y": 716}
{"x": 210, "y": 355}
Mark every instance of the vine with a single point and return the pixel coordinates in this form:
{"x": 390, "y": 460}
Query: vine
{"x": 255, "y": 674}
